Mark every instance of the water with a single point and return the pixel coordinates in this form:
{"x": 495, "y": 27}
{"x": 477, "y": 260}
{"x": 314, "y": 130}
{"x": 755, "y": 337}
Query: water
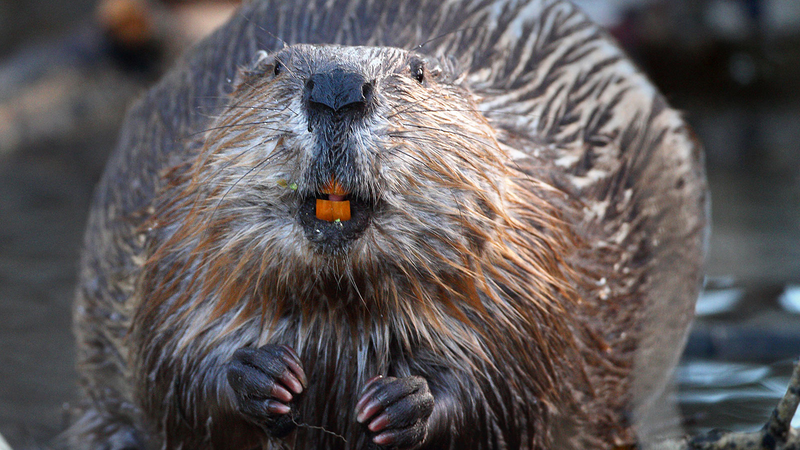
{"x": 730, "y": 395}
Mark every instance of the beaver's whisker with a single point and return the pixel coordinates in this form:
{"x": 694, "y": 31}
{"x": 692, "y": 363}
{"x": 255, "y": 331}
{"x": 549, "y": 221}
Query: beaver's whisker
{"x": 276, "y": 101}
{"x": 233, "y": 160}
{"x": 444, "y": 35}
{"x": 414, "y": 111}
{"x": 280, "y": 153}
{"x": 233, "y": 107}
{"x": 219, "y": 202}
{"x": 397, "y": 150}
{"x": 453, "y": 133}
{"x": 487, "y": 115}
{"x": 259, "y": 27}
{"x": 211, "y": 174}
{"x": 430, "y": 95}
{"x": 400, "y": 110}
{"x": 213, "y": 97}
{"x": 209, "y": 155}
{"x": 247, "y": 124}
{"x": 432, "y": 139}
{"x": 288, "y": 108}
{"x": 258, "y": 108}
{"x": 287, "y": 68}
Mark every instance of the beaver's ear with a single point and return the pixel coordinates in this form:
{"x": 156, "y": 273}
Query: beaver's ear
{"x": 263, "y": 64}
{"x": 445, "y": 69}
{"x": 262, "y": 61}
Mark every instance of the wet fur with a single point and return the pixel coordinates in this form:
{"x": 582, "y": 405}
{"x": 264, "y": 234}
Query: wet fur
{"x": 484, "y": 270}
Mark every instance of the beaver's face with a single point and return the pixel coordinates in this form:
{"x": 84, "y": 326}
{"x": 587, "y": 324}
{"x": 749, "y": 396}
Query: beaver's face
{"x": 314, "y": 130}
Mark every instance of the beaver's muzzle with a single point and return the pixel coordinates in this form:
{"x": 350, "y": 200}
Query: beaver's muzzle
{"x": 336, "y": 102}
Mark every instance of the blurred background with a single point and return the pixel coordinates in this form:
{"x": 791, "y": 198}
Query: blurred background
{"x": 68, "y": 70}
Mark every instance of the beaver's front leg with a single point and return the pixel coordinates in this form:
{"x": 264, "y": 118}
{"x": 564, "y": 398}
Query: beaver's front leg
{"x": 266, "y": 382}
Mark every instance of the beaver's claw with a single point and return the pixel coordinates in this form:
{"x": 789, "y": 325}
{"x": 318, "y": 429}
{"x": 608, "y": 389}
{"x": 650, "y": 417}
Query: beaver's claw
{"x": 266, "y": 382}
{"x": 396, "y": 411}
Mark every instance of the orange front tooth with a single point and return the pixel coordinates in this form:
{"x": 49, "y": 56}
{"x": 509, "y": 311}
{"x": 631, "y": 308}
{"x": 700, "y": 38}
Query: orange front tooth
{"x": 341, "y": 211}
{"x": 325, "y": 210}
{"x": 330, "y": 211}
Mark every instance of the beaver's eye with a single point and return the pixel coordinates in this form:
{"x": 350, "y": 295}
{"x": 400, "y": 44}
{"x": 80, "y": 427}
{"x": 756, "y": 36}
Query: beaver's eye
{"x": 278, "y": 68}
{"x": 418, "y": 70}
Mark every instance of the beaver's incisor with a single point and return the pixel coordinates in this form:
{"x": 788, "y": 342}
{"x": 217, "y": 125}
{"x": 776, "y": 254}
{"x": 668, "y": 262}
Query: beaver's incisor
{"x": 481, "y": 242}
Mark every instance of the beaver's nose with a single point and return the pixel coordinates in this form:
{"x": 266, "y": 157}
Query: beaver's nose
{"x": 337, "y": 91}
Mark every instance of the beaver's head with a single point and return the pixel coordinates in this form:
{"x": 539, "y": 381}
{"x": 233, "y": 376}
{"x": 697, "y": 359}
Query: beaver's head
{"x": 329, "y": 154}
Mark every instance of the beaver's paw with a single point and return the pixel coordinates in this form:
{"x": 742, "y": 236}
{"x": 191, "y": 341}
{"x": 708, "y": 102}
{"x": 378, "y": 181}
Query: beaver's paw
{"x": 396, "y": 411}
{"x": 266, "y": 382}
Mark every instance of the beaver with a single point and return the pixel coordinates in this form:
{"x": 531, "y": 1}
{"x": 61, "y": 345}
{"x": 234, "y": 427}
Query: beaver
{"x": 425, "y": 224}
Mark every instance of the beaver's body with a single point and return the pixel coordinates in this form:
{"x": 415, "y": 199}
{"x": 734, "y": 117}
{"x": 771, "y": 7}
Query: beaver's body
{"x": 527, "y": 225}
